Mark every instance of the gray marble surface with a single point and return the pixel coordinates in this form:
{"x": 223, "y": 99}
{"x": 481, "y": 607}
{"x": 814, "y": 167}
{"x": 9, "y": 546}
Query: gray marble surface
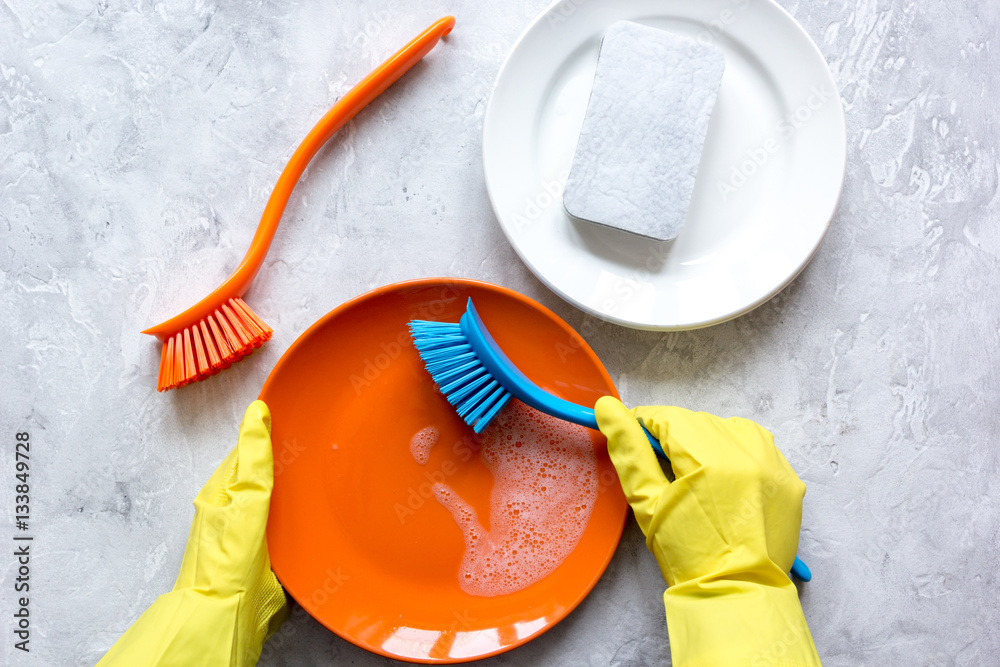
{"x": 139, "y": 142}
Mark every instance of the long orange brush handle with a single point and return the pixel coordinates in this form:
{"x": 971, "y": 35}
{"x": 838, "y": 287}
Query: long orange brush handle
{"x": 345, "y": 109}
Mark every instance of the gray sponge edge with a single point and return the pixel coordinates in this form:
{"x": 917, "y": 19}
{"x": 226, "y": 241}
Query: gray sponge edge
{"x": 702, "y": 65}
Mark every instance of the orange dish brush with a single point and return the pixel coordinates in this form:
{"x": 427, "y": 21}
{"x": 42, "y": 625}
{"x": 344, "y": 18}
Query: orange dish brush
{"x": 221, "y": 329}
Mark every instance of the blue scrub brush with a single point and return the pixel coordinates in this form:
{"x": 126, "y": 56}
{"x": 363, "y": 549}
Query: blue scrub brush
{"x": 479, "y": 380}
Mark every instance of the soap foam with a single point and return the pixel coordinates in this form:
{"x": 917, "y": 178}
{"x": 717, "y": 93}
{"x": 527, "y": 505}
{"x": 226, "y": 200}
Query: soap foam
{"x": 544, "y": 489}
{"x": 422, "y": 442}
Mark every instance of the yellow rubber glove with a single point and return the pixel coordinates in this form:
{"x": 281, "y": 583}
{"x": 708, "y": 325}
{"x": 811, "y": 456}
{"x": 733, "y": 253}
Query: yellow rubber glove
{"x": 724, "y": 532}
{"x": 226, "y": 601}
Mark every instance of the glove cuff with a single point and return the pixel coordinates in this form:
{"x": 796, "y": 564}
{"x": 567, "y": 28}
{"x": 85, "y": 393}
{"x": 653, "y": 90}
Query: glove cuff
{"x": 739, "y": 623}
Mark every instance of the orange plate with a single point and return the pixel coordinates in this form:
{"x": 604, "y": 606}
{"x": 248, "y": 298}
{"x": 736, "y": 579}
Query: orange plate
{"x": 355, "y": 534}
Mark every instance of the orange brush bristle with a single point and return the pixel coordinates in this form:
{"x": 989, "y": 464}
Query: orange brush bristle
{"x": 221, "y": 329}
{"x": 221, "y": 339}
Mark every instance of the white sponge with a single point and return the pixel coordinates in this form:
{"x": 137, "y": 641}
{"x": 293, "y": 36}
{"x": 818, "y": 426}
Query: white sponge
{"x": 642, "y": 137}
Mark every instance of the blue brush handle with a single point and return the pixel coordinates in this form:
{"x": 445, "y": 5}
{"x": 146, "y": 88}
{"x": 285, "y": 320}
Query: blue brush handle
{"x": 526, "y": 391}
{"x": 801, "y": 571}
{"x": 520, "y": 386}
{"x": 586, "y": 417}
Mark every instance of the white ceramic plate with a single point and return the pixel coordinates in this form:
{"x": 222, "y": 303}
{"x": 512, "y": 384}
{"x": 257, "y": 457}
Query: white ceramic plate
{"x": 767, "y": 188}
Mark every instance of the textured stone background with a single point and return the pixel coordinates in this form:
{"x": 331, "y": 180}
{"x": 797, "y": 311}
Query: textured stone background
{"x": 139, "y": 142}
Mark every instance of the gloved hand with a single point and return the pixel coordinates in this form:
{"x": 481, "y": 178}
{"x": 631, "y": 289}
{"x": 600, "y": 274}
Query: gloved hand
{"x": 724, "y": 532}
{"x": 226, "y": 601}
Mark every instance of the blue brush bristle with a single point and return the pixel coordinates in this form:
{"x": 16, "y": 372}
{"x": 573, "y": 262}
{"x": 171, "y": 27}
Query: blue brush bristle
{"x": 458, "y": 373}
